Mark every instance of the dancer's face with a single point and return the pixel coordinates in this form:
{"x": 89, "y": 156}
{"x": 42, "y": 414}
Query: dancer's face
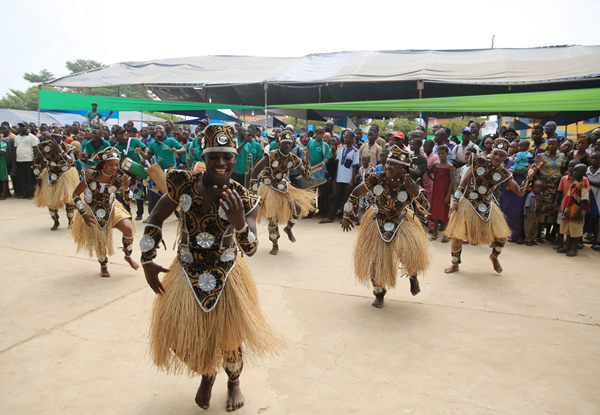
{"x": 497, "y": 157}
{"x": 111, "y": 167}
{"x": 394, "y": 170}
{"x": 219, "y": 166}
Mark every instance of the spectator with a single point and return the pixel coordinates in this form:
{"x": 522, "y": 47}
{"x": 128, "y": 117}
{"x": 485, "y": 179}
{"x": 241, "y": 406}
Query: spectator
{"x": 418, "y": 166}
{"x": 593, "y": 176}
{"x": 538, "y": 144}
{"x": 431, "y": 158}
{"x": 550, "y": 130}
{"x": 580, "y": 153}
{"x": 319, "y": 154}
{"x": 3, "y": 171}
{"x": 459, "y": 153}
{"x": 9, "y": 139}
{"x": 24, "y": 144}
{"x": 550, "y": 173}
{"x": 532, "y": 210}
{"x": 371, "y": 148}
{"x": 442, "y": 175}
{"x": 576, "y": 204}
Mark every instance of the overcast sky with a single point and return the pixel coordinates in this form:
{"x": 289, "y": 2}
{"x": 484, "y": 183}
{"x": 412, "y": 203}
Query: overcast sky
{"x": 39, "y": 34}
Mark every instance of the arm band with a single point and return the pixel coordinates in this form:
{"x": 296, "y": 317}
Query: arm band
{"x": 79, "y": 205}
{"x": 524, "y": 185}
{"x": 150, "y": 240}
{"x": 246, "y": 240}
{"x": 350, "y": 207}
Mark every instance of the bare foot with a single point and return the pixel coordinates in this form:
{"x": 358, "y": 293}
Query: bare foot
{"x": 496, "y": 264}
{"x": 445, "y": 239}
{"x": 235, "y": 399}
{"x": 290, "y": 235}
{"x": 55, "y": 226}
{"x": 451, "y": 269}
{"x": 104, "y": 272}
{"x": 414, "y": 286}
{"x": 274, "y": 250}
{"x": 204, "y": 392}
{"x": 378, "y": 303}
{"x": 131, "y": 262}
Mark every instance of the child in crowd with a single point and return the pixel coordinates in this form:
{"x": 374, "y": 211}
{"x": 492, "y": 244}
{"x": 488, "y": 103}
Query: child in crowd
{"x": 593, "y": 176}
{"x": 364, "y": 202}
{"x": 563, "y": 188}
{"x": 576, "y": 202}
{"x": 522, "y": 159}
{"x": 469, "y": 154}
{"x": 531, "y": 212}
{"x": 382, "y": 159}
{"x": 442, "y": 174}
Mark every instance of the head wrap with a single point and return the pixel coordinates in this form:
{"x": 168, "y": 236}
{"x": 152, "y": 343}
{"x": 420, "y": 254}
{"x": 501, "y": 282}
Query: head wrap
{"x": 219, "y": 137}
{"x": 286, "y": 135}
{"x": 397, "y": 155}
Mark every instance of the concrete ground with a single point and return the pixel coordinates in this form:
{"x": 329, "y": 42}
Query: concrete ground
{"x": 524, "y": 342}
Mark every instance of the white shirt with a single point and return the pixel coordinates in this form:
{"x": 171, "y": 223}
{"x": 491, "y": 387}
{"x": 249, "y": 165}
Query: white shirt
{"x": 24, "y": 145}
{"x": 344, "y": 174}
{"x": 459, "y": 152}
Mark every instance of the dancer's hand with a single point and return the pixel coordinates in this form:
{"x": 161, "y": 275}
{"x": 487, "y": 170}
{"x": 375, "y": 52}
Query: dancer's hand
{"x": 533, "y": 170}
{"x": 151, "y": 271}
{"x": 89, "y": 221}
{"x": 231, "y": 202}
{"x": 411, "y": 186}
{"x": 347, "y": 225}
{"x": 125, "y": 181}
{"x": 452, "y": 208}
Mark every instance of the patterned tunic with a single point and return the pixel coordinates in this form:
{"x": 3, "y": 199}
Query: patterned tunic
{"x": 277, "y": 173}
{"x": 480, "y": 189}
{"x": 392, "y": 204}
{"x": 100, "y": 197}
{"x": 54, "y": 159}
{"x": 205, "y": 259}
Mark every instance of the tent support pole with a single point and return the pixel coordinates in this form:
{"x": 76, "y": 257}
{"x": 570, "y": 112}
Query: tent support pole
{"x": 266, "y": 111}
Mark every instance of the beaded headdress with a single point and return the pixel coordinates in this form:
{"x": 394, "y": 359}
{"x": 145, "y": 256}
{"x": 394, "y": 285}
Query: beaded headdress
{"x": 218, "y": 137}
{"x": 397, "y": 155}
{"x": 109, "y": 153}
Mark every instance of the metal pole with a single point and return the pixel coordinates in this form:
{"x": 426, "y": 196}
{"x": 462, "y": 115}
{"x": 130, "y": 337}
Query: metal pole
{"x": 266, "y": 111}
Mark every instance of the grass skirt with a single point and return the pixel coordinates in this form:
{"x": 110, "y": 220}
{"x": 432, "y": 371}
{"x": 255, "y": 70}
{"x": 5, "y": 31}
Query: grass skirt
{"x": 379, "y": 260}
{"x": 95, "y": 240}
{"x": 278, "y": 205}
{"x": 185, "y": 339}
{"x": 465, "y": 224}
{"x": 55, "y": 196}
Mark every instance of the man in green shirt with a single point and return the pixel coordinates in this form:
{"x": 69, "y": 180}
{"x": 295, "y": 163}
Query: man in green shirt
{"x": 247, "y": 146}
{"x": 94, "y": 117}
{"x": 319, "y": 154}
{"x": 90, "y": 148}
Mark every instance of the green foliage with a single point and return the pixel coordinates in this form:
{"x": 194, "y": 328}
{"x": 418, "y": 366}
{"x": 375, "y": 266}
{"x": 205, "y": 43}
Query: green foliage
{"x": 21, "y": 100}
{"x": 38, "y": 78}
{"x": 82, "y": 65}
{"x": 405, "y": 125}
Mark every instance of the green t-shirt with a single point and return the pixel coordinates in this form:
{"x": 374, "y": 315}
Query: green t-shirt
{"x": 194, "y": 151}
{"x": 88, "y": 148}
{"x": 315, "y": 152}
{"x": 133, "y": 144}
{"x": 162, "y": 150}
{"x": 254, "y": 148}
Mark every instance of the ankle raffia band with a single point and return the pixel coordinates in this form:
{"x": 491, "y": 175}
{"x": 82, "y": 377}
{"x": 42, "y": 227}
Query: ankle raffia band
{"x": 456, "y": 257}
{"x": 149, "y": 241}
{"x": 127, "y": 245}
{"x": 497, "y": 247}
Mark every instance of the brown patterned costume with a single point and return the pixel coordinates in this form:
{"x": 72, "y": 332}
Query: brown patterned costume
{"x": 282, "y": 203}
{"x": 390, "y": 234}
{"x": 58, "y": 179}
{"x": 210, "y": 306}
{"x": 478, "y": 218}
{"x": 99, "y": 201}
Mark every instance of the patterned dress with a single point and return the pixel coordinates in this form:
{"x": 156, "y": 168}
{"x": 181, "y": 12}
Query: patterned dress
{"x": 58, "y": 176}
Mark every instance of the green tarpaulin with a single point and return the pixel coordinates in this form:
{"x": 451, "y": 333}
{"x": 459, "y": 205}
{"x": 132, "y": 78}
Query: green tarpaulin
{"x": 54, "y": 100}
{"x": 547, "y": 101}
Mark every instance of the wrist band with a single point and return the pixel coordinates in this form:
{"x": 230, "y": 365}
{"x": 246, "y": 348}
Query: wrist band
{"x": 79, "y": 205}
{"x": 246, "y": 240}
{"x": 150, "y": 240}
{"x": 350, "y": 207}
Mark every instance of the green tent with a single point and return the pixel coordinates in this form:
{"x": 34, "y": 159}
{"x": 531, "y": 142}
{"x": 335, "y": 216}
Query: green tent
{"x": 54, "y": 100}
{"x": 546, "y": 101}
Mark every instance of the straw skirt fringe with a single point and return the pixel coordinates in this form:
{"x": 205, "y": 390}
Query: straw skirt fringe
{"x": 95, "y": 240}
{"x": 278, "y": 205}
{"x": 55, "y": 196}
{"x": 465, "y": 224}
{"x": 185, "y": 339}
{"x": 379, "y": 260}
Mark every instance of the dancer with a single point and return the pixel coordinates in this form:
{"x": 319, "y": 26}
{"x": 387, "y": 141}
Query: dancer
{"x": 57, "y": 178}
{"x": 282, "y": 202}
{"x": 474, "y": 214}
{"x": 99, "y": 211}
{"x": 390, "y": 232}
{"x": 208, "y": 306}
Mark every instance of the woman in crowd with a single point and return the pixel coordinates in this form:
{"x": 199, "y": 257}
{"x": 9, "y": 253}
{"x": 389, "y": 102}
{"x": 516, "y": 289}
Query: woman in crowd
{"x": 552, "y": 164}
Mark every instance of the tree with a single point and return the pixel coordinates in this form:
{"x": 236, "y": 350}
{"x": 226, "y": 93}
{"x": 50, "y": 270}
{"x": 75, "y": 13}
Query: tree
{"x": 405, "y": 125}
{"x": 82, "y": 65}
{"x": 38, "y": 78}
{"x": 28, "y": 99}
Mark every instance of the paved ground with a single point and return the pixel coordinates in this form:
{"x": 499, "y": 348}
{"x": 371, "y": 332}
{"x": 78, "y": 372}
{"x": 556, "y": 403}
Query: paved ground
{"x": 525, "y": 342}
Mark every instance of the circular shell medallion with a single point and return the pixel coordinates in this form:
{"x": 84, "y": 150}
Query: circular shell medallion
{"x": 222, "y": 140}
{"x": 403, "y": 196}
{"x": 205, "y": 239}
{"x": 146, "y": 243}
{"x": 185, "y": 201}
{"x": 275, "y": 163}
{"x": 482, "y": 207}
{"x": 207, "y": 281}
{"x": 100, "y": 213}
{"x": 480, "y": 171}
{"x": 388, "y": 226}
{"x": 496, "y": 176}
{"x": 378, "y": 190}
{"x": 482, "y": 190}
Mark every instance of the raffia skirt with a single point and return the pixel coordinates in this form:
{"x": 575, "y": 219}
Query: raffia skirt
{"x": 465, "y": 224}
{"x": 185, "y": 339}
{"x": 57, "y": 195}
{"x": 296, "y": 203}
{"x": 379, "y": 260}
{"x": 95, "y": 240}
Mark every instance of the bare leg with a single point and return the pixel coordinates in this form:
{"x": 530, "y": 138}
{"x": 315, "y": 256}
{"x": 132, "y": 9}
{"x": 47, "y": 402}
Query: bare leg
{"x": 497, "y": 246}
{"x": 288, "y": 229}
{"x": 205, "y": 391}
{"x": 233, "y": 364}
{"x": 456, "y": 250}
{"x": 273, "y": 235}
{"x": 125, "y": 227}
{"x": 54, "y": 216}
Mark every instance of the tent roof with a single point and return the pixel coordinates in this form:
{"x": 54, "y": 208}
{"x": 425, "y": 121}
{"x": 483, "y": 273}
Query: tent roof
{"x": 480, "y": 66}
